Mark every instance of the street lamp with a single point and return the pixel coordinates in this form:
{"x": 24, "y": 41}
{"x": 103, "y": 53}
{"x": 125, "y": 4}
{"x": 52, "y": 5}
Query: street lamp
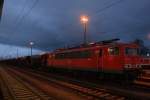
{"x": 84, "y": 20}
{"x": 17, "y": 53}
{"x": 31, "y": 45}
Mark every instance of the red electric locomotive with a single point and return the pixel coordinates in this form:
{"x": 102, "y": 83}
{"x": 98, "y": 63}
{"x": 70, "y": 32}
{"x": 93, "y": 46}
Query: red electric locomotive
{"x": 106, "y": 56}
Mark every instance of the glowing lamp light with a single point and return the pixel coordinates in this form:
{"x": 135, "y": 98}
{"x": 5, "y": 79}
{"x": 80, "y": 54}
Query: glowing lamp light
{"x": 91, "y": 43}
{"x": 84, "y": 19}
{"x": 148, "y": 36}
{"x": 148, "y": 54}
{"x": 31, "y": 43}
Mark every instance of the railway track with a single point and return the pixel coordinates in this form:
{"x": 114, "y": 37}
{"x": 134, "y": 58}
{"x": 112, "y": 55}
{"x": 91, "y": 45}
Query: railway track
{"x": 97, "y": 91}
{"x": 15, "y": 89}
{"x": 127, "y": 92}
{"x": 89, "y": 93}
{"x": 144, "y": 79}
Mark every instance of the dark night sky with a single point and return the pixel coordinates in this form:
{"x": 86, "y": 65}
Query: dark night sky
{"x": 56, "y": 23}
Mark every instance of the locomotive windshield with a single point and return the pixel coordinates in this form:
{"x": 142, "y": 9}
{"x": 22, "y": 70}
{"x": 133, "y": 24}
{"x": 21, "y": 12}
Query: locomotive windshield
{"x": 132, "y": 51}
{"x": 113, "y": 51}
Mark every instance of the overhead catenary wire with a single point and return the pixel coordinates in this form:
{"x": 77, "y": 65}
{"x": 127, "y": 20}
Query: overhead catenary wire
{"x": 100, "y": 11}
{"x": 96, "y": 13}
{"x": 107, "y": 7}
{"x": 21, "y": 12}
{"x": 27, "y": 13}
{"x": 19, "y": 18}
{"x": 22, "y": 16}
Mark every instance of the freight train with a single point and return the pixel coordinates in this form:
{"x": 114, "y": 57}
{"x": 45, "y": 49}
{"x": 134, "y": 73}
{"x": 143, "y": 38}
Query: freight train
{"x": 107, "y": 57}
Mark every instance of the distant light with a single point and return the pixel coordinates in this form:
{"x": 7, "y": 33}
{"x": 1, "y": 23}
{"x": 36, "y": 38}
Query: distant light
{"x": 31, "y": 43}
{"x": 42, "y": 53}
{"x": 148, "y": 54}
{"x": 84, "y": 19}
{"x": 148, "y": 36}
{"x": 91, "y": 43}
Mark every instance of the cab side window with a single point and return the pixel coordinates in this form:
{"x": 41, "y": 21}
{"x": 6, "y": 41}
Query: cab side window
{"x": 113, "y": 51}
{"x": 132, "y": 51}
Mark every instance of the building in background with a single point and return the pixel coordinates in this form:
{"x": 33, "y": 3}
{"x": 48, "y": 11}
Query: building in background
{"x": 1, "y": 7}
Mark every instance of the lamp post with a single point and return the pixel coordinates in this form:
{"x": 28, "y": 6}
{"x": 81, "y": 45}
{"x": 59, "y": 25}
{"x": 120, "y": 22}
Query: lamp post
{"x": 31, "y": 45}
{"x": 17, "y": 53}
{"x": 84, "y": 21}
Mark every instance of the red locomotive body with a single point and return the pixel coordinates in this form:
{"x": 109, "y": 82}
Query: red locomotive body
{"x": 145, "y": 63}
{"x": 107, "y": 58}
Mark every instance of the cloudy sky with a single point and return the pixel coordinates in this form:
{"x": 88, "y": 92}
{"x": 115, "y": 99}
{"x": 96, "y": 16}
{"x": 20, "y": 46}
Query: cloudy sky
{"x": 52, "y": 24}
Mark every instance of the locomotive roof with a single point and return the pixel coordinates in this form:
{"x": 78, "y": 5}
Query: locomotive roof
{"x": 94, "y": 46}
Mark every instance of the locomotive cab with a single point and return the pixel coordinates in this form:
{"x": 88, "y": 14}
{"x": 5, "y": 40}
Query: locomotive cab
{"x": 122, "y": 58}
{"x": 131, "y": 58}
